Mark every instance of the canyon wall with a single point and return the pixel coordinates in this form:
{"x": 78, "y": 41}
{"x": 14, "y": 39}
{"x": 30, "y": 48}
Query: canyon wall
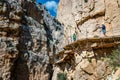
{"x": 81, "y": 60}
{"x": 82, "y": 17}
{"x": 33, "y": 45}
{"x": 29, "y": 41}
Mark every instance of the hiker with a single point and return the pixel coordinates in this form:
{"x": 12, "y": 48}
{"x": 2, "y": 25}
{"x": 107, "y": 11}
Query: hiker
{"x": 103, "y": 28}
{"x": 74, "y": 37}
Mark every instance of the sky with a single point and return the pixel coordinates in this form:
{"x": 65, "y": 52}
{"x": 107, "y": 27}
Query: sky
{"x": 51, "y": 5}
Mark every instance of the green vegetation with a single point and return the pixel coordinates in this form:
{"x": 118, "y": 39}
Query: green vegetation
{"x": 115, "y": 58}
{"x": 61, "y": 76}
{"x": 118, "y": 78}
{"x": 96, "y": 36}
{"x": 86, "y": 1}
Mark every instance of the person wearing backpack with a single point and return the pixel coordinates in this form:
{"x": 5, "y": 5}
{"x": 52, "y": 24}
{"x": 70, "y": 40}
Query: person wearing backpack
{"x": 103, "y": 29}
{"x": 74, "y": 37}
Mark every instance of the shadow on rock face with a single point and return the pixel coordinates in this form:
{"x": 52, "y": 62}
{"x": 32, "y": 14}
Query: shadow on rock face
{"x": 19, "y": 71}
{"x": 1, "y": 78}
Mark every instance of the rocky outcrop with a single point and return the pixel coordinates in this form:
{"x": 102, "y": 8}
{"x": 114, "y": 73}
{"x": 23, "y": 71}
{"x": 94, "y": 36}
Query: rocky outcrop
{"x": 29, "y": 41}
{"x": 81, "y": 61}
{"x": 83, "y": 16}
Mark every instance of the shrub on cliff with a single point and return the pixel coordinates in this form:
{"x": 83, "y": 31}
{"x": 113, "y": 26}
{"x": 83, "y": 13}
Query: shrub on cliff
{"x": 115, "y": 58}
{"x": 61, "y": 76}
{"x": 118, "y": 78}
{"x": 86, "y": 1}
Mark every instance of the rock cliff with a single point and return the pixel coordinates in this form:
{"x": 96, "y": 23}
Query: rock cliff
{"x": 88, "y": 57}
{"x": 29, "y": 40}
{"x": 35, "y": 46}
{"x": 83, "y": 16}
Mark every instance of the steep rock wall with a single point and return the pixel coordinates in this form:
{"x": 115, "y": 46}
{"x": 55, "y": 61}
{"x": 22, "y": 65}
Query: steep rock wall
{"x": 83, "y": 16}
{"x": 88, "y": 59}
{"x": 81, "y": 61}
{"x": 29, "y": 40}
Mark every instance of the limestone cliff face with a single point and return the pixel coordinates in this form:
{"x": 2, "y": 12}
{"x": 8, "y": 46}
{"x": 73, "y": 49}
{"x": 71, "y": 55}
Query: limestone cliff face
{"x": 83, "y": 16}
{"x": 87, "y": 59}
{"x": 29, "y": 40}
{"x": 81, "y": 60}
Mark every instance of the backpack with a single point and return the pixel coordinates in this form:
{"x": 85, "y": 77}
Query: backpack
{"x": 103, "y": 26}
{"x": 74, "y": 37}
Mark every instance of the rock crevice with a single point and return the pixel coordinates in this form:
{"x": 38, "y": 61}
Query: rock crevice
{"x": 84, "y": 16}
{"x": 29, "y": 41}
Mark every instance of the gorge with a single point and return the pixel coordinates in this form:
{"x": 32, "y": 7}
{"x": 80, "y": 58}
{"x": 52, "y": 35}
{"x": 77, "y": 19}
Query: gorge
{"x": 36, "y": 46}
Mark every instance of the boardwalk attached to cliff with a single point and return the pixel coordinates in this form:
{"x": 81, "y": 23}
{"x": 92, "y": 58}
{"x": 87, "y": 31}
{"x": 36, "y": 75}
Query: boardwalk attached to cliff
{"x": 99, "y": 46}
{"x": 95, "y": 43}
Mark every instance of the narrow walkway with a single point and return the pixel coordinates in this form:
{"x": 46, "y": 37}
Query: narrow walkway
{"x": 99, "y": 46}
{"x": 95, "y": 42}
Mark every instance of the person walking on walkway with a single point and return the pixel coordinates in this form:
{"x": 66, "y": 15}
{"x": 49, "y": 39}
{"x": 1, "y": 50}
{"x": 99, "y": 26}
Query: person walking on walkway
{"x": 74, "y": 37}
{"x": 103, "y": 29}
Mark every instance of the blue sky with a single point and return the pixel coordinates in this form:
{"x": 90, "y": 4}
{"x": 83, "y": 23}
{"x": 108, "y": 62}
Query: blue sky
{"x": 51, "y": 5}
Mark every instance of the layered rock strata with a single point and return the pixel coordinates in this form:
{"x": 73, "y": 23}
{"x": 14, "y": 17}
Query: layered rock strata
{"x": 84, "y": 16}
{"x": 87, "y": 59}
{"x": 29, "y": 40}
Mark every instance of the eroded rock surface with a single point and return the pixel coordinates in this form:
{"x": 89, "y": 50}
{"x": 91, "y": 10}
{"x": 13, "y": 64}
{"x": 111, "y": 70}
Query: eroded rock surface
{"x": 83, "y": 16}
{"x": 29, "y": 40}
{"x": 81, "y": 61}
